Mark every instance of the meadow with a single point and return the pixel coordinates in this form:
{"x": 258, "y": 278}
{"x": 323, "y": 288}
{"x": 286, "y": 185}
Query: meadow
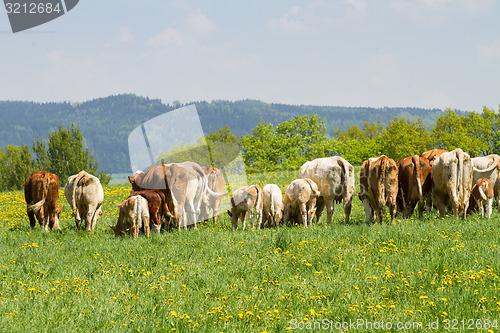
{"x": 414, "y": 275}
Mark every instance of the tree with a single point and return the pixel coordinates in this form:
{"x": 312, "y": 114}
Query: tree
{"x": 66, "y": 155}
{"x": 448, "y": 132}
{"x": 403, "y": 137}
{"x": 15, "y": 167}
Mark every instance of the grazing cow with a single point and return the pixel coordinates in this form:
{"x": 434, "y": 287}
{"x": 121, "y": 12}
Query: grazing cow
{"x": 216, "y": 184}
{"x": 414, "y": 183}
{"x": 378, "y": 182}
{"x": 482, "y": 194}
{"x": 85, "y": 195}
{"x": 158, "y": 208}
{"x": 185, "y": 185}
{"x": 272, "y": 205}
{"x": 134, "y": 215}
{"x": 246, "y": 199}
{"x": 300, "y": 201}
{"x": 335, "y": 179}
{"x": 41, "y": 191}
{"x": 452, "y": 182}
{"x": 488, "y": 167}
{"x": 432, "y": 154}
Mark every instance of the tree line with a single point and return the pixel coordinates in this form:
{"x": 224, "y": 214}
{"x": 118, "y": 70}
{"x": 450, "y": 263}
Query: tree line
{"x": 63, "y": 154}
{"x": 302, "y": 138}
{"x": 285, "y": 146}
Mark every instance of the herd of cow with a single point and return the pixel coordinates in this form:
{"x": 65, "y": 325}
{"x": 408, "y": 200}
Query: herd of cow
{"x": 182, "y": 194}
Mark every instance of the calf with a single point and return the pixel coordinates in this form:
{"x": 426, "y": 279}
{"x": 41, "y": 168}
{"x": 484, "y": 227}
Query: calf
{"x": 300, "y": 201}
{"x": 41, "y": 191}
{"x": 157, "y": 206}
{"x": 272, "y": 205}
{"x": 482, "y": 194}
{"x": 247, "y": 199}
{"x": 133, "y": 215}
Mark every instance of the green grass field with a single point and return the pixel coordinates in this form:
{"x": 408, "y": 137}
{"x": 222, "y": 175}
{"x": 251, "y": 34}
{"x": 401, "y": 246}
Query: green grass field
{"x": 439, "y": 271}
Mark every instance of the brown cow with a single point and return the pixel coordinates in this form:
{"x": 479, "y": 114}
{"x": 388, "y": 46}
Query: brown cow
{"x": 157, "y": 206}
{"x": 215, "y": 183}
{"x": 482, "y": 194}
{"x": 432, "y": 154}
{"x": 133, "y": 215}
{"x": 300, "y": 201}
{"x": 246, "y": 199}
{"x": 414, "y": 183}
{"x": 41, "y": 191}
{"x": 378, "y": 182}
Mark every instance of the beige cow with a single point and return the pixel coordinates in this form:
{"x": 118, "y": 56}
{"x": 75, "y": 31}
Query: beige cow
{"x": 272, "y": 205}
{"x": 246, "y": 199}
{"x": 85, "y": 195}
{"x": 452, "y": 174}
{"x": 300, "y": 201}
{"x": 334, "y": 177}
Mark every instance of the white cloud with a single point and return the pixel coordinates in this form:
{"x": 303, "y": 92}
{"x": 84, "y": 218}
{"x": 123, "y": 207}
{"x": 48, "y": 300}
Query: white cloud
{"x": 125, "y": 35}
{"x": 200, "y": 24}
{"x": 292, "y": 22}
{"x": 167, "y": 37}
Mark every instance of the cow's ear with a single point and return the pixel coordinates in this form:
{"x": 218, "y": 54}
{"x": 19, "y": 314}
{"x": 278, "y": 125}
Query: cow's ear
{"x": 229, "y": 213}
{"x": 112, "y": 227}
{"x": 119, "y": 204}
{"x": 131, "y": 179}
{"x": 59, "y": 209}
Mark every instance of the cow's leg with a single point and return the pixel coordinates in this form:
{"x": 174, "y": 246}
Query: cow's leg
{"x": 251, "y": 216}
{"x": 244, "y": 219}
{"x": 286, "y": 214}
{"x": 368, "y": 211}
{"x": 393, "y": 208}
{"x": 481, "y": 208}
{"x": 330, "y": 208}
{"x": 303, "y": 213}
{"x": 421, "y": 208}
{"x": 31, "y": 216}
{"x": 489, "y": 207}
{"x": 146, "y": 225}
{"x": 320, "y": 205}
{"x": 310, "y": 213}
{"x": 347, "y": 209}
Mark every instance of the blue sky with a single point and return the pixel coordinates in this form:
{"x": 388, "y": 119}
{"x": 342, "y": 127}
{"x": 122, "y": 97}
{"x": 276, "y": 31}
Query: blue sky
{"x": 420, "y": 53}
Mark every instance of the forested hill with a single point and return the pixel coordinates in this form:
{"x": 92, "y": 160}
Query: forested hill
{"x": 106, "y": 122}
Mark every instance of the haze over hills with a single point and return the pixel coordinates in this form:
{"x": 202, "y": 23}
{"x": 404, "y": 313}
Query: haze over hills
{"x": 106, "y": 122}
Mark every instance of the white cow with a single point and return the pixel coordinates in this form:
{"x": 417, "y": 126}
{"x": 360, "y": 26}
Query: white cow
{"x": 335, "y": 179}
{"x": 300, "y": 201}
{"x": 488, "y": 167}
{"x": 272, "y": 205}
{"x": 85, "y": 195}
{"x": 452, "y": 182}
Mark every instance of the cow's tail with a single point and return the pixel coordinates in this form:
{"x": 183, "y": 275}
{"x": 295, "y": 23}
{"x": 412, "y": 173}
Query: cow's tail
{"x": 75, "y": 185}
{"x": 258, "y": 202}
{"x": 382, "y": 177}
{"x": 36, "y": 206}
{"x": 460, "y": 171}
{"x": 416, "y": 162}
{"x": 495, "y": 164}
{"x": 481, "y": 192}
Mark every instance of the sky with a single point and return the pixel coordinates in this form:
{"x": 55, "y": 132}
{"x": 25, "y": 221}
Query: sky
{"x": 377, "y": 53}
